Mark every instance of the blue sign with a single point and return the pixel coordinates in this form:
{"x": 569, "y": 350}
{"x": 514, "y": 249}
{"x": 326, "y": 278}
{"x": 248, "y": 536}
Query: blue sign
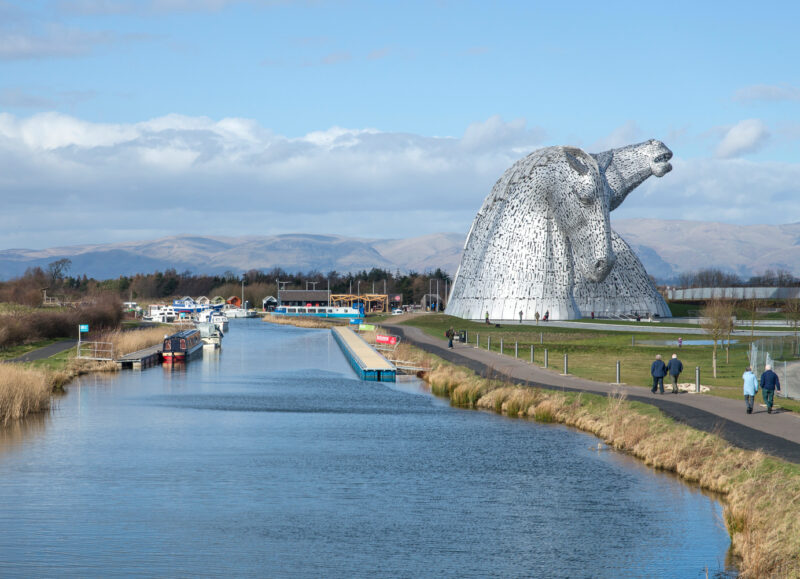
{"x": 83, "y": 328}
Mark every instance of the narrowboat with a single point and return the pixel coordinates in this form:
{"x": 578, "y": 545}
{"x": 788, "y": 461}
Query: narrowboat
{"x": 320, "y": 311}
{"x": 182, "y": 346}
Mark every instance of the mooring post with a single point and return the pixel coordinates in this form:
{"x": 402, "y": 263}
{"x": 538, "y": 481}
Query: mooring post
{"x": 516, "y": 349}
{"x": 545, "y": 357}
{"x": 697, "y": 378}
{"x": 566, "y": 367}
{"x": 618, "y": 372}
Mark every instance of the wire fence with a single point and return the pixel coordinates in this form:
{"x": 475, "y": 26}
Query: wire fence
{"x": 783, "y": 354}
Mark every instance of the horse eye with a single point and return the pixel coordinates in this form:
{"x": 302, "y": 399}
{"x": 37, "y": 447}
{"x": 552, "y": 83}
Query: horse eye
{"x": 586, "y": 200}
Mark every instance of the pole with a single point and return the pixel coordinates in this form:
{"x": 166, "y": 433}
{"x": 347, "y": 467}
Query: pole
{"x": 78, "y": 354}
{"x": 501, "y": 345}
{"x": 545, "y": 357}
{"x": 566, "y": 367}
{"x": 516, "y": 349}
{"x": 531, "y": 353}
{"x": 618, "y": 372}
{"x": 489, "y": 343}
{"x": 477, "y": 339}
{"x": 697, "y": 378}
{"x": 541, "y": 337}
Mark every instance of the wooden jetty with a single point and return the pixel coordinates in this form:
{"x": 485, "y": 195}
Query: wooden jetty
{"x": 364, "y": 359}
{"x": 141, "y": 359}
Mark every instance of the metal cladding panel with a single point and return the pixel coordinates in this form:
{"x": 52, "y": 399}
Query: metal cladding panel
{"x": 542, "y": 240}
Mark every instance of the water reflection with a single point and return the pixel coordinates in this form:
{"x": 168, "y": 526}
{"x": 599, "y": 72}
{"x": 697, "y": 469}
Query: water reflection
{"x": 271, "y": 459}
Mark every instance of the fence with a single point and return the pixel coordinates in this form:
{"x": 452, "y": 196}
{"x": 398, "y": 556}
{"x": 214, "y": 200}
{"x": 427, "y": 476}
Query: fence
{"x": 96, "y": 350}
{"x": 783, "y": 354}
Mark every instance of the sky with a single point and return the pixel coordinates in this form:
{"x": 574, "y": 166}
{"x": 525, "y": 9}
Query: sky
{"x": 130, "y": 120}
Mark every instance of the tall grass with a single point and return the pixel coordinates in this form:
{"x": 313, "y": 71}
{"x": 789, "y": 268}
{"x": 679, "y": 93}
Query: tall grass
{"x": 23, "y": 391}
{"x": 762, "y": 493}
{"x": 125, "y": 342}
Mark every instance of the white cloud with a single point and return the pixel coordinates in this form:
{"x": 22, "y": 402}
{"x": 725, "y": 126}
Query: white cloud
{"x": 744, "y": 137}
{"x": 51, "y": 41}
{"x": 768, "y": 93}
{"x": 65, "y": 180}
{"x": 626, "y": 134}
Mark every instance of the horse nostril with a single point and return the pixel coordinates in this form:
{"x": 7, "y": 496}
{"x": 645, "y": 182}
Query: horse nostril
{"x": 600, "y": 265}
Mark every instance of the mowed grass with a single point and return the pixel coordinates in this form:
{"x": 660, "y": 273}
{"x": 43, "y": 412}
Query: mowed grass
{"x": 593, "y": 354}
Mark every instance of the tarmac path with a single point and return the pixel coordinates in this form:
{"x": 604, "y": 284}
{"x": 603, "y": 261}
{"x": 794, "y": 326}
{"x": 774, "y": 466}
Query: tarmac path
{"x": 777, "y": 434}
{"x": 46, "y": 352}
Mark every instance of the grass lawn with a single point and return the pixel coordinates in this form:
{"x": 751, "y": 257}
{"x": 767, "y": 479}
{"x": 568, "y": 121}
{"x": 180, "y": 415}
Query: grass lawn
{"x": 593, "y": 354}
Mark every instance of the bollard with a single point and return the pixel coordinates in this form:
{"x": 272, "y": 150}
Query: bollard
{"x": 541, "y": 338}
{"x": 697, "y": 378}
{"x": 501, "y": 346}
{"x": 516, "y": 349}
{"x": 489, "y": 343}
{"x": 566, "y": 367}
{"x": 531, "y": 353}
{"x": 618, "y": 372}
{"x": 477, "y": 339}
{"x": 545, "y": 357}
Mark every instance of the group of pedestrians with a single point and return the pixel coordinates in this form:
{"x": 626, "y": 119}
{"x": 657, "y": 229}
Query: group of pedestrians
{"x": 659, "y": 370}
{"x": 769, "y": 383}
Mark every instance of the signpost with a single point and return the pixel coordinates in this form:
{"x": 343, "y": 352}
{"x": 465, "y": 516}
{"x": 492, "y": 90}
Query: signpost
{"x": 82, "y": 328}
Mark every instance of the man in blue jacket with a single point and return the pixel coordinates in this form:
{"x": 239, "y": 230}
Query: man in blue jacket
{"x": 769, "y": 383}
{"x": 658, "y": 370}
{"x": 674, "y": 367}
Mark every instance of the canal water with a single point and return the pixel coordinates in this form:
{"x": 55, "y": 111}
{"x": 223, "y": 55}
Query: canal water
{"x": 269, "y": 459}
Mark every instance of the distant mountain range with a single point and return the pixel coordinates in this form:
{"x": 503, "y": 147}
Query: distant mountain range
{"x": 666, "y": 248}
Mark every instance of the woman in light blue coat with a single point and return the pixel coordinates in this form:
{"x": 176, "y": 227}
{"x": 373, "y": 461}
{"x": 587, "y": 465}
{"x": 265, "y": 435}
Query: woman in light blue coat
{"x": 750, "y": 388}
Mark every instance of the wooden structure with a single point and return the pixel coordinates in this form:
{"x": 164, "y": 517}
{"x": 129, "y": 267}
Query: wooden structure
{"x": 372, "y": 302}
{"x": 141, "y": 359}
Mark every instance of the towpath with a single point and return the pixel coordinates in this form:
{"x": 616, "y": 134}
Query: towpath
{"x": 46, "y": 351}
{"x": 777, "y": 434}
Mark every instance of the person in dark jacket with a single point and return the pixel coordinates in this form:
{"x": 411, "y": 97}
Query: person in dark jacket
{"x": 674, "y": 367}
{"x": 658, "y": 370}
{"x": 769, "y": 383}
{"x": 450, "y": 333}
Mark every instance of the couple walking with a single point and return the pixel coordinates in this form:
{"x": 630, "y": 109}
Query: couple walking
{"x": 769, "y": 383}
{"x": 658, "y": 370}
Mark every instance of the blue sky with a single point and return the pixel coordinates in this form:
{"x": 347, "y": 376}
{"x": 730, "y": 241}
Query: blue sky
{"x": 136, "y": 119}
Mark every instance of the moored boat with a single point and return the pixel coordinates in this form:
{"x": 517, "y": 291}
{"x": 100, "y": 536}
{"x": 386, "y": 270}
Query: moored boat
{"x": 182, "y": 346}
{"x": 320, "y": 311}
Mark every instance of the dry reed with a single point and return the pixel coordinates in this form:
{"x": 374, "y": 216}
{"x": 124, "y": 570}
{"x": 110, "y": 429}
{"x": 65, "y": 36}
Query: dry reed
{"x": 762, "y": 493}
{"x": 125, "y": 342}
{"x": 304, "y": 322}
{"x": 23, "y": 391}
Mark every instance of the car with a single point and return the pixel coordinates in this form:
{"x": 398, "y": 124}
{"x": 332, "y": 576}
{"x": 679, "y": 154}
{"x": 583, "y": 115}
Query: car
{"x": 397, "y": 312}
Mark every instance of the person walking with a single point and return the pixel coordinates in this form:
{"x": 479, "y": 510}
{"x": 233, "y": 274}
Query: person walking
{"x": 449, "y": 334}
{"x": 674, "y": 368}
{"x": 520, "y": 316}
{"x": 536, "y": 315}
{"x": 769, "y": 383}
{"x": 487, "y": 317}
{"x": 658, "y": 370}
{"x": 750, "y": 388}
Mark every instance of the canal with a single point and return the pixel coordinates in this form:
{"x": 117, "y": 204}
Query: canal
{"x": 269, "y": 459}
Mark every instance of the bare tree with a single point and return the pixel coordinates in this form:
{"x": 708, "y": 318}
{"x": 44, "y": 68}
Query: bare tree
{"x": 56, "y": 270}
{"x": 751, "y": 305}
{"x": 717, "y": 322}
{"x": 791, "y": 308}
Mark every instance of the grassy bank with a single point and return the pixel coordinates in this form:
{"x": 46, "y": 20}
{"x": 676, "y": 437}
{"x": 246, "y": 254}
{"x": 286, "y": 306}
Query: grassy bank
{"x": 761, "y": 493}
{"x": 593, "y": 354}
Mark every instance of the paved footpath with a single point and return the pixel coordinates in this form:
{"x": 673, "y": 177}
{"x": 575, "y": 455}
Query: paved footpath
{"x": 777, "y": 434}
{"x": 46, "y": 352}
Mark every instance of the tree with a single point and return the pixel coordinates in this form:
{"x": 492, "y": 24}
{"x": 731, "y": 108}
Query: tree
{"x": 751, "y": 305}
{"x": 717, "y": 321}
{"x": 791, "y": 308}
{"x": 56, "y": 270}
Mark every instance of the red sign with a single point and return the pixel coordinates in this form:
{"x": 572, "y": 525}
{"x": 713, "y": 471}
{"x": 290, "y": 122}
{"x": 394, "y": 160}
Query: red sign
{"x": 391, "y": 340}
{"x": 397, "y": 298}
